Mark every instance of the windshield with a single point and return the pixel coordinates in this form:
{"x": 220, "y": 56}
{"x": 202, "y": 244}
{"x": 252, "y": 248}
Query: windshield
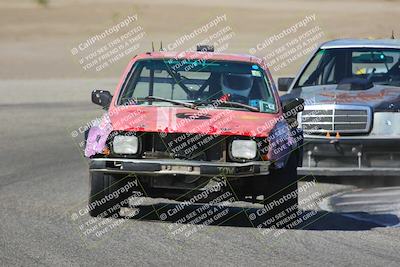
{"x": 335, "y": 65}
{"x": 198, "y": 82}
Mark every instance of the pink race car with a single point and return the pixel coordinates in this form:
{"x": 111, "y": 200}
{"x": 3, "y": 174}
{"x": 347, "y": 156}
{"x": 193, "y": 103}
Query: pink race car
{"x": 179, "y": 122}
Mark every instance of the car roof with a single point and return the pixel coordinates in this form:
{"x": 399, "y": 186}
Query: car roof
{"x": 353, "y": 43}
{"x": 198, "y": 56}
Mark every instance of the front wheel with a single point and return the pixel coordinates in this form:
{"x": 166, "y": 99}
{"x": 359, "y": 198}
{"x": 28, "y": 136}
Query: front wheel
{"x": 281, "y": 199}
{"x": 108, "y": 193}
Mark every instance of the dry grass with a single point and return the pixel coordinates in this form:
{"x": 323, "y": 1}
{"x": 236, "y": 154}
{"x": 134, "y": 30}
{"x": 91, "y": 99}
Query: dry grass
{"x": 35, "y": 42}
{"x": 43, "y": 3}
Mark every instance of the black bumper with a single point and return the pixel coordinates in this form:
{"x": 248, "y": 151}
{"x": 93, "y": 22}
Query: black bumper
{"x": 181, "y": 167}
{"x": 348, "y": 172}
{"x": 351, "y": 156}
{"x": 363, "y": 140}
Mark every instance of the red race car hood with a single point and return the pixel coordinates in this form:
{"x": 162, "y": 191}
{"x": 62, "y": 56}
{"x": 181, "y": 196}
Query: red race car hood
{"x": 185, "y": 120}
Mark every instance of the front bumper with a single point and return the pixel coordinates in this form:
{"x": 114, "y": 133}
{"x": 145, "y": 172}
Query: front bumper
{"x": 348, "y": 171}
{"x": 351, "y": 156}
{"x": 180, "y": 167}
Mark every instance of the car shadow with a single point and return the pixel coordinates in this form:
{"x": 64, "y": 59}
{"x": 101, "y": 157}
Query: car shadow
{"x": 203, "y": 214}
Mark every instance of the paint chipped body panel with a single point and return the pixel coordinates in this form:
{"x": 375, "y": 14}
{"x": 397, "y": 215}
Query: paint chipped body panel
{"x": 378, "y": 97}
{"x": 183, "y": 120}
{"x": 351, "y": 126}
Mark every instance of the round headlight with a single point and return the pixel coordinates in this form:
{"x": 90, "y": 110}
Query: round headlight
{"x": 244, "y": 149}
{"x": 125, "y": 144}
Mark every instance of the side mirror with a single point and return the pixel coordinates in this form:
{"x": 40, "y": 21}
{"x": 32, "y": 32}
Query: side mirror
{"x": 101, "y": 98}
{"x": 284, "y": 83}
{"x": 293, "y": 107}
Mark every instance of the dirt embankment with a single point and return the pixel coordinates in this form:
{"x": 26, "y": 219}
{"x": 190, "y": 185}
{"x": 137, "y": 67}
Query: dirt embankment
{"x": 36, "y": 40}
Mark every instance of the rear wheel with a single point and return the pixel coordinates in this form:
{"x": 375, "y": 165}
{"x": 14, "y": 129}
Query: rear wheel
{"x": 108, "y": 193}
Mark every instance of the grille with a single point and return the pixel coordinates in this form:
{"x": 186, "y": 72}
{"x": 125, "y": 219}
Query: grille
{"x": 184, "y": 146}
{"x": 194, "y": 146}
{"x": 319, "y": 119}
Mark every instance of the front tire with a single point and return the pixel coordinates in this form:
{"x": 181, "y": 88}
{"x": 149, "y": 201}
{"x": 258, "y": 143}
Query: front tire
{"x": 106, "y": 194}
{"x": 284, "y": 187}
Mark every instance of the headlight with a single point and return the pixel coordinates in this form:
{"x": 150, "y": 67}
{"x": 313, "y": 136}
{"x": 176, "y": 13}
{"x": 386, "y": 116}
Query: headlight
{"x": 244, "y": 149}
{"x": 125, "y": 144}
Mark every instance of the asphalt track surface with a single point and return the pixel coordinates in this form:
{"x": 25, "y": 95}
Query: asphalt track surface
{"x": 44, "y": 178}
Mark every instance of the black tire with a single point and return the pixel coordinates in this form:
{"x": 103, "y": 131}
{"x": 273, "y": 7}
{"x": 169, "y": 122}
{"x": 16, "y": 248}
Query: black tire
{"x": 283, "y": 185}
{"x": 102, "y": 186}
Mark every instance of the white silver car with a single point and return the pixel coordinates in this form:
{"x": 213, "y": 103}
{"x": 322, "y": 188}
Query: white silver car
{"x": 352, "y": 121}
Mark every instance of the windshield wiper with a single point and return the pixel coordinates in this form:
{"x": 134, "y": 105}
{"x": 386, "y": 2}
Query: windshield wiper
{"x": 175, "y": 102}
{"x": 227, "y": 104}
{"x": 371, "y": 74}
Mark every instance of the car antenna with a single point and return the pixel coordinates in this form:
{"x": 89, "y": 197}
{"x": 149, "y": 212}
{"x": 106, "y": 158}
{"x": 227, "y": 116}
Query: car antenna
{"x": 152, "y": 46}
{"x": 393, "y": 35}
